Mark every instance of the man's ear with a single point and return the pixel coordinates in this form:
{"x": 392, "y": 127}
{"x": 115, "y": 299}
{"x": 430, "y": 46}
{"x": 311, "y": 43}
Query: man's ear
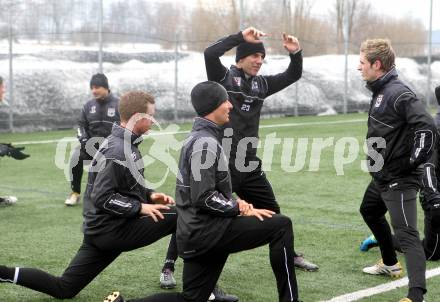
{"x": 377, "y": 65}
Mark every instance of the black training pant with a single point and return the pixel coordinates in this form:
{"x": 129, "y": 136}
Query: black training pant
{"x": 430, "y": 243}
{"x": 253, "y": 186}
{"x": 77, "y": 167}
{"x": 401, "y": 204}
{"x": 200, "y": 274}
{"x": 96, "y": 253}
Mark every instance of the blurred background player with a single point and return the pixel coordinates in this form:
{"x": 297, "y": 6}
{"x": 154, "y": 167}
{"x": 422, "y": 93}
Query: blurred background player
{"x": 94, "y": 125}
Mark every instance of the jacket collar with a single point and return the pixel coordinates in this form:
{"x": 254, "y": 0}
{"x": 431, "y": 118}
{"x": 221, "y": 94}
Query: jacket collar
{"x": 241, "y": 73}
{"x": 201, "y": 123}
{"x": 107, "y": 99}
{"x": 377, "y": 85}
{"x": 124, "y": 133}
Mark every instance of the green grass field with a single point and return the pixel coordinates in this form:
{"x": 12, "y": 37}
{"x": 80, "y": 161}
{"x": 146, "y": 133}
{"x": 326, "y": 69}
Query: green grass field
{"x": 39, "y": 231}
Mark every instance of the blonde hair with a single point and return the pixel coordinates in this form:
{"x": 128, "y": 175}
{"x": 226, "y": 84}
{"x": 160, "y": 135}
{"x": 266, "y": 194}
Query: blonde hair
{"x": 134, "y": 102}
{"x": 379, "y": 50}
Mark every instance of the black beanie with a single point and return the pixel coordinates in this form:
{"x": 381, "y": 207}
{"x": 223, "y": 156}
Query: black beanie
{"x": 207, "y": 96}
{"x": 99, "y": 80}
{"x": 437, "y": 94}
{"x": 247, "y": 48}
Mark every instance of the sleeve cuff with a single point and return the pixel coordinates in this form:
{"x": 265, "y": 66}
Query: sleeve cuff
{"x": 295, "y": 52}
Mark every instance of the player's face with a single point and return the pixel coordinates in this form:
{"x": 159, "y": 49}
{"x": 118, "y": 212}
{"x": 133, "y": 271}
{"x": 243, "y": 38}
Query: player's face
{"x": 2, "y": 91}
{"x": 99, "y": 93}
{"x": 221, "y": 114}
{"x": 369, "y": 71}
{"x": 251, "y": 64}
{"x": 146, "y": 122}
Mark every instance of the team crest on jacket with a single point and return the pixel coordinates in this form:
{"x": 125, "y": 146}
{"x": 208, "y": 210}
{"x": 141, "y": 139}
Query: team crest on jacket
{"x": 111, "y": 112}
{"x": 254, "y": 85}
{"x": 93, "y": 109}
{"x": 378, "y": 100}
{"x": 237, "y": 81}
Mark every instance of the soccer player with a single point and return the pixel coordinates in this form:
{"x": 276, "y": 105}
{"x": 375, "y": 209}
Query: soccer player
{"x": 247, "y": 91}
{"x": 401, "y": 136}
{"x": 9, "y": 150}
{"x": 94, "y": 125}
{"x": 430, "y": 201}
{"x": 120, "y": 213}
{"x": 211, "y": 223}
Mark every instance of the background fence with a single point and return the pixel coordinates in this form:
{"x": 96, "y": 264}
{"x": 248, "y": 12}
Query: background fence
{"x": 50, "y": 49}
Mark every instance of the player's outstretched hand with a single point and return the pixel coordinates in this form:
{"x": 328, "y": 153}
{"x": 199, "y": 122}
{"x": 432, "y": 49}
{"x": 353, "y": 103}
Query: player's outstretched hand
{"x": 153, "y": 210}
{"x": 161, "y": 198}
{"x": 260, "y": 213}
{"x": 253, "y": 35}
{"x": 290, "y": 43}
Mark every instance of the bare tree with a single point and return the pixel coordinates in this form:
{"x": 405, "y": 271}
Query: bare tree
{"x": 59, "y": 15}
{"x": 358, "y": 11}
{"x": 211, "y": 20}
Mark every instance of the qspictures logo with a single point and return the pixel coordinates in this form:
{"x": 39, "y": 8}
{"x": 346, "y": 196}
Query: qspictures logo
{"x": 292, "y": 154}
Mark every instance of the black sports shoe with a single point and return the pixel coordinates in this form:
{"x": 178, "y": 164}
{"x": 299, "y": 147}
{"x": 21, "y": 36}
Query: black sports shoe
{"x": 218, "y": 295}
{"x": 114, "y": 297}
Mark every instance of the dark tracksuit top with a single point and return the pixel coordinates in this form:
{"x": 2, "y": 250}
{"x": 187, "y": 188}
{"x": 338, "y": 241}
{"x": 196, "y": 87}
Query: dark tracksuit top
{"x": 114, "y": 194}
{"x": 97, "y": 118}
{"x": 247, "y": 93}
{"x": 204, "y": 201}
{"x": 400, "y": 118}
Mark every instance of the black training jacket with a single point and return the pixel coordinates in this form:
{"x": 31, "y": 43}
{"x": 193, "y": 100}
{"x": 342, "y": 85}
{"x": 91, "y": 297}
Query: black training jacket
{"x": 400, "y": 118}
{"x": 113, "y": 193}
{"x": 247, "y": 93}
{"x": 204, "y": 200}
{"x": 97, "y": 118}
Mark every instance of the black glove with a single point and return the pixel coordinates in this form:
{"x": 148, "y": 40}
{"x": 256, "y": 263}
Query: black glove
{"x": 435, "y": 216}
{"x": 437, "y": 94}
{"x": 83, "y": 143}
{"x": 14, "y": 152}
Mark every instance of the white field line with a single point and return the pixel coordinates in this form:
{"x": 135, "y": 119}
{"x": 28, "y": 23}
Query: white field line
{"x": 368, "y": 292}
{"x": 158, "y": 133}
